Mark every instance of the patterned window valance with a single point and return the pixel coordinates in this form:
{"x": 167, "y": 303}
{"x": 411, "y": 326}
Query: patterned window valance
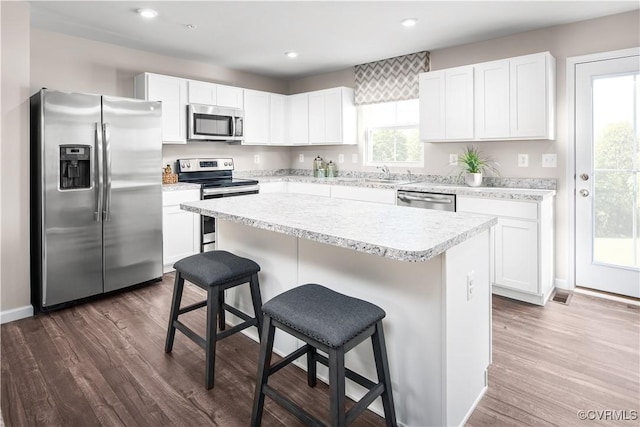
{"x": 393, "y": 79}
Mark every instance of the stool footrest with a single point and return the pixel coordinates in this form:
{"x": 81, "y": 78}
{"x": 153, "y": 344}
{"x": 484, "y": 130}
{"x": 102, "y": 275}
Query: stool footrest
{"x": 192, "y": 307}
{"x": 236, "y": 312}
{"x": 289, "y": 405}
{"x": 364, "y": 402}
{"x": 237, "y": 328}
{"x": 288, "y": 359}
{"x": 354, "y": 376}
{"x": 189, "y": 333}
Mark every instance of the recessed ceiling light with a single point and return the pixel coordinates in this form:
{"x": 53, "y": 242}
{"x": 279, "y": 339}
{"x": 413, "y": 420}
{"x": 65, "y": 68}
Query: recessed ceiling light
{"x": 147, "y": 13}
{"x": 190, "y": 26}
{"x": 409, "y": 22}
{"x": 291, "y": 54}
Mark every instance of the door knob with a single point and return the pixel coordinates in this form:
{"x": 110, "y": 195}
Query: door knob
{"x": 584, "y": 177}
{"x": 584, "y": 193}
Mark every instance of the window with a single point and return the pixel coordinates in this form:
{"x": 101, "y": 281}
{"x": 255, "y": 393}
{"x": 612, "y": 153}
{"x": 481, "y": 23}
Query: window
{"x": 392, "y": 133}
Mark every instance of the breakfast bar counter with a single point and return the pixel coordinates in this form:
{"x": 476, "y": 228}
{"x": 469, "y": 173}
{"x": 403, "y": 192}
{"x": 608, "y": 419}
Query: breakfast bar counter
{"x": 428, "y": 270}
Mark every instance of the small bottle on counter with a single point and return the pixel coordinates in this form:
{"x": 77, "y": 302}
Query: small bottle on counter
{"x": 331, "y": 169}
{"x": 318, "y": 163}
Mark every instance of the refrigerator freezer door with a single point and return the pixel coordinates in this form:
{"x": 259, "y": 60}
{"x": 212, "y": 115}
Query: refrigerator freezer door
{"x": 133, "y": 192}
{"x": 72, "y": 232}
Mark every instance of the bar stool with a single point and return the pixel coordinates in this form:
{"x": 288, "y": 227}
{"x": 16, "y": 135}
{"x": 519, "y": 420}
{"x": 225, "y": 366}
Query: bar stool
{"x": 334, "y": 323}
{"x": 214, "y": 272}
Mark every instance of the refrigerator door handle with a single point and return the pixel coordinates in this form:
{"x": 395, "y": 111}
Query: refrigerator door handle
{"x": 107, "y": 172}
{"x": 98, "y": 170}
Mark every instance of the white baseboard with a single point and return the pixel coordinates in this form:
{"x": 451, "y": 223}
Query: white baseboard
{"x": 16, "y": 314}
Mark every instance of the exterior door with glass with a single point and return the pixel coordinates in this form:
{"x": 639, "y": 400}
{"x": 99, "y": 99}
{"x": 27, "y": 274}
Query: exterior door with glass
{"x": 607, "y": 131}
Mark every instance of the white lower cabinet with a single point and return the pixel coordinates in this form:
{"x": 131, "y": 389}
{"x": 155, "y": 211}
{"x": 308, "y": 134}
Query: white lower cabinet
{"x": 307, "y": 188}
{"x": 273, "y": 187}
{"x": 180, "y": 229}
{"x": 523, "y": 246}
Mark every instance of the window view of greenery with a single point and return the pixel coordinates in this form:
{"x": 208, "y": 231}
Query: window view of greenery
{"x": 395, "y": 145}
{"x": 392, "y": 133}
{"x": 616, "y": 175}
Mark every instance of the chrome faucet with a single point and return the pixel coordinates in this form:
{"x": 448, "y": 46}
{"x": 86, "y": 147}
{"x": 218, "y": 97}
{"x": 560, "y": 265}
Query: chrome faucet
{"x": 409, "y": 173}
{"x": 386, "y": 173}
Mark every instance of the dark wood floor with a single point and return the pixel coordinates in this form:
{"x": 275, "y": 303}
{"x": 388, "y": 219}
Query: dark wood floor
{"x": 102, "y": 363}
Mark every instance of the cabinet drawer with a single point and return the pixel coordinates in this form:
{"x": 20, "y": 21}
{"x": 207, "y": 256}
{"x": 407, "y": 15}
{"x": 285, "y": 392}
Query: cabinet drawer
{"x": 503, "y": 208}
{"x": 176, "y": 197}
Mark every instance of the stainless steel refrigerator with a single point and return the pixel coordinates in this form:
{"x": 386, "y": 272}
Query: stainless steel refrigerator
{"x": 96, "y": 195}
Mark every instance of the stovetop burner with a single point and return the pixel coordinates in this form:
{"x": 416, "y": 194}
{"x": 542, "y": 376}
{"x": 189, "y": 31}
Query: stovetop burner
{"x": 210, "y": 173}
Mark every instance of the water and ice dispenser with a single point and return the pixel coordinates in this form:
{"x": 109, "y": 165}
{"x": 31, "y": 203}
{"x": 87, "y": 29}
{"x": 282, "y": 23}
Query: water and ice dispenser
{"x": 75, "y": 167}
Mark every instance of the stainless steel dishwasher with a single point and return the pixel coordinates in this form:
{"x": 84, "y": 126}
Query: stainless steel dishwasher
{"x": 424, "y": 200}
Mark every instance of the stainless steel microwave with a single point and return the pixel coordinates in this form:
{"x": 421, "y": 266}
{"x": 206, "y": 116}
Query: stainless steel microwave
{"x": 210, "y": 123}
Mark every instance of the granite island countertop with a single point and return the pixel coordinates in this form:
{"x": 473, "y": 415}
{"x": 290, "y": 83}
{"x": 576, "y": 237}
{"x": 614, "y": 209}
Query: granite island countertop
{"x": 404, "y": 234}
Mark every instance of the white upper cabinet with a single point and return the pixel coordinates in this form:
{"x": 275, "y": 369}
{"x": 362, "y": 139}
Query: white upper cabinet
{"x": 172, "y": 92}
{"x": 446, "y": 105}
{"x": 532, "y": 84}
{"x": 508, "y": 99}
{"x": 215, "y": 94}
{"x": 230, "y": 96}
{"x": 332, "y": 116}
{"x": 202, "y": 93}
{"x": 297, "y": 111}
{"x": 515, "y": 98}
{"x": 277, "y": 118}
{"x": 257, "y": 106}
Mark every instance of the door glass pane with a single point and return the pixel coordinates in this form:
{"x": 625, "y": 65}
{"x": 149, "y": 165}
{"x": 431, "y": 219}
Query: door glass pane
{"x": 615, "y": 161}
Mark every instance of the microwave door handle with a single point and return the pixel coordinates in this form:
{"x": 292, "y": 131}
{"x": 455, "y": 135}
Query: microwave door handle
{"x": 233, "y": 126}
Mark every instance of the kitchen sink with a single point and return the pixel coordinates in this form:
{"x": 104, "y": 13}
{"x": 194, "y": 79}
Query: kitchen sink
{"x": 386, "y": 181}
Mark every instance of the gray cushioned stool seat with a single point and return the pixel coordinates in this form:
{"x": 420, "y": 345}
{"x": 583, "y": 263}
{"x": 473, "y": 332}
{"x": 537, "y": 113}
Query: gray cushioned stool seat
{"x": 322, "y": 314}
{"x": 215, "y": 267}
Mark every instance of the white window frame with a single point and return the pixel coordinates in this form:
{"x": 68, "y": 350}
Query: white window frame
{"x": 368, "y": 142}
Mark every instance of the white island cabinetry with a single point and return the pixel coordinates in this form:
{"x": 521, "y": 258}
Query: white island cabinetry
{"x": 180, "y": 229}
{"x": 438, "y": 334}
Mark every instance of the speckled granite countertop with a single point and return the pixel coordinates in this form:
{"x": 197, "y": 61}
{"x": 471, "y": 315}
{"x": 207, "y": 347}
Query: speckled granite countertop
{"x": 489, "y": 192}
{"x": 180, "y": 186}
{"x": 399, "y": 233}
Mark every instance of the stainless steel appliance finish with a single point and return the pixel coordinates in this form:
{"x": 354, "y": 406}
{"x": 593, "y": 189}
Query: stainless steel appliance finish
{"x": 423, "y": 200}
{"x": 209, "y": 123}
{"x": 215, "y": 177}
{"x": 96, "y": 195}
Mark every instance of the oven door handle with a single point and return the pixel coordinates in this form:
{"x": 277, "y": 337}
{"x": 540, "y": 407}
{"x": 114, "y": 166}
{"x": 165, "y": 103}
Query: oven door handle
{"x": 425, "y": 199}
{"x": 229, "y": 190}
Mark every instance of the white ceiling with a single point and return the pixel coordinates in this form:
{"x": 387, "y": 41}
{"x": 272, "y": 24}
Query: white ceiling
{"x": 329, "y": 35}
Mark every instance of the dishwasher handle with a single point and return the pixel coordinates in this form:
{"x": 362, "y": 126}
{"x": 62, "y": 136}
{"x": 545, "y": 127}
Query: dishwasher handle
{"x": 405, "y": 197}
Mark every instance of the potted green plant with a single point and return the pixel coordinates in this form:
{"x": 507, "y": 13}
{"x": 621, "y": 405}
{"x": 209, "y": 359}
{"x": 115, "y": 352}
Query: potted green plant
{"x": 474, "y": 165}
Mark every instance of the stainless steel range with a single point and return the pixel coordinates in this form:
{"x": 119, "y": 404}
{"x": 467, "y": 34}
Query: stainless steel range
{"x": 215, "y": 177}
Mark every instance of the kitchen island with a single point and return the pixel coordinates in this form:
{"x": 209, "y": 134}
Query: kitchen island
{"x": 428, "y": 270}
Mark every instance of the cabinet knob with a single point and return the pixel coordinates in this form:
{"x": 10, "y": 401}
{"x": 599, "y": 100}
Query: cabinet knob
{"x": 584, "y": 177}
{"x": 584, "y": 193}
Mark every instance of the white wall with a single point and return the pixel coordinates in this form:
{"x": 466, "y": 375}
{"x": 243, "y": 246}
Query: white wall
{"x": 563, "y": 41}
{"x": 14, "y": 157}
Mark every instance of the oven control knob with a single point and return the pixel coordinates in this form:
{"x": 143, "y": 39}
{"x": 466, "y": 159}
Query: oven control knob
{"x": 187, "y": 165}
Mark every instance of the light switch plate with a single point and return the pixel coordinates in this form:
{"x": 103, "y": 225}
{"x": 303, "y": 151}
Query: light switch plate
{"x": 354, "y": 158}
{"x": 453, "y": 159}
{"x": 340, "y": 158}
{"x": 549, "y": 160}
{"x": 256, "y": 159}
{"x": 301, "y": 158}
{"x": 523, "y": 160}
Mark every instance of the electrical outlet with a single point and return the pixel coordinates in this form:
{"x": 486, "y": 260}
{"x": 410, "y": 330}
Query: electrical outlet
{"x": 453, "y": 159}
{"x": 549, "y": 160}
{"x": 471, "y": 284}
{"x": 354, "y": 158}
{"x": 301, "y": 158}
{"x": 340, "y": 158}
{"x": 523, "y": 160}
{"x": 256, "y": 159}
